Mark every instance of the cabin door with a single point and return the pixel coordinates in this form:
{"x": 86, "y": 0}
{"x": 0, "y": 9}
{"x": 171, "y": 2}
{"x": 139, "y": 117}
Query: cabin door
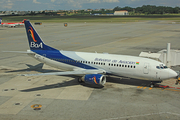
{"x": 146, "y": 68}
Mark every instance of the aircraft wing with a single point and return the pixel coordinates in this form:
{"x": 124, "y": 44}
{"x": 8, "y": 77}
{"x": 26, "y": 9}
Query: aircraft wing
{"x": 76, "y": 72}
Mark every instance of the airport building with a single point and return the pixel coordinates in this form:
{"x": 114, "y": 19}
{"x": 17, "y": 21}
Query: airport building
{"x": 121, "y": 12}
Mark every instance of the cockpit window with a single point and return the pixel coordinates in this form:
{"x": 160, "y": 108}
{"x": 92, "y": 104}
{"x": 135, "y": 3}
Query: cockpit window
{"x": 165, "y": 67}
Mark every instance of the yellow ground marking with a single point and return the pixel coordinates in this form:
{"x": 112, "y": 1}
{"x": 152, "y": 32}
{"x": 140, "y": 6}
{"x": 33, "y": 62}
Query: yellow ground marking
{"x": 159, "y": 88}
{"x": 172, "y": 90}
{"x": 76, "y": 43}
{"x": 140, "y": 87}
{"x": 150, "y": 88}
{"x": 35, "y": 106}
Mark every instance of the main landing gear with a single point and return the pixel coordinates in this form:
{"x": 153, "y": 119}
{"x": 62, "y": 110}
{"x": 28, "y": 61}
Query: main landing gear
{"x": 80, "y": 80}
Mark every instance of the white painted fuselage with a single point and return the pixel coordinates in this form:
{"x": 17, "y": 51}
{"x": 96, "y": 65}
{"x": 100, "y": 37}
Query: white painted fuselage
{"x": 119, "y": 65}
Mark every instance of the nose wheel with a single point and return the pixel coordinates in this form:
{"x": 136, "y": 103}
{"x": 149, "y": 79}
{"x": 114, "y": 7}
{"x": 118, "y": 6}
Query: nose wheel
{"x": 152, "y": 84}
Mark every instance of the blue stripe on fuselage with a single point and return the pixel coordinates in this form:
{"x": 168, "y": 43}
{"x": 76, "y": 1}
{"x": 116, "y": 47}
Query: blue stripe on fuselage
{"x": 57, "y": 56}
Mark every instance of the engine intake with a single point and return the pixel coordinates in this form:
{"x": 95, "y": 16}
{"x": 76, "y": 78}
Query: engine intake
{"x": 97, "y": 79}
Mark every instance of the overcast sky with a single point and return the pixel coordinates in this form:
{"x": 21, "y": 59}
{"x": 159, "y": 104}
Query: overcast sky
{"x": 36, "y": 5}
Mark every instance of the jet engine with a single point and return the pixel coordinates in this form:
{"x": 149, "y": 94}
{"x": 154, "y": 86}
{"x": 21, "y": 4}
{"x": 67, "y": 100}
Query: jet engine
{"x": 97, "y": 79}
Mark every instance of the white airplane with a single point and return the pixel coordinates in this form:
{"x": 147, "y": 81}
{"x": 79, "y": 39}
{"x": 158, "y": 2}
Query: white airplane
{"x": 94, "y": 67}
{"x": 14, "y": 24}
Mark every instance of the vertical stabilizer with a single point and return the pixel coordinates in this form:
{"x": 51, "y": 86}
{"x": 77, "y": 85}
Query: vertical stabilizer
{"x": 35, "y": 42}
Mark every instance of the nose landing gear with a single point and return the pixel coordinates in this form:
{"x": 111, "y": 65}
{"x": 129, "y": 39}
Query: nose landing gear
{"x": 154, "y": 83}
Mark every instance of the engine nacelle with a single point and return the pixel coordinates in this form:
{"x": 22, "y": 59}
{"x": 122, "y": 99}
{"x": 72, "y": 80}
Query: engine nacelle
{"x": 97, "y": 79}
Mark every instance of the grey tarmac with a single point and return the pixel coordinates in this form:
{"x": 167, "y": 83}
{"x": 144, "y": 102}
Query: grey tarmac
{"x": 62, "y": 97}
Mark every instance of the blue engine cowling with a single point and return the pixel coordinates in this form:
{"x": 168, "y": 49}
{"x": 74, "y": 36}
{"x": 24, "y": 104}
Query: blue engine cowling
{"x": 97, "y": 79}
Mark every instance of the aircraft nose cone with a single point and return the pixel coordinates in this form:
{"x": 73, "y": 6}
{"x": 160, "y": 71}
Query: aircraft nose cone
{"x": 172, "y": 74}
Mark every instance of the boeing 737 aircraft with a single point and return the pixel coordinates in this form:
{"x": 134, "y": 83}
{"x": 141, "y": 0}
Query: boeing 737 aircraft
{"x": 11, "y": 24}
{"x": 94, "y": 67}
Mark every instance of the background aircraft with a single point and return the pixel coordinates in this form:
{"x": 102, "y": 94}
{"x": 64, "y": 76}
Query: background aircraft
{"x": 94, "y": 67}
{"x": 15, "y": 24}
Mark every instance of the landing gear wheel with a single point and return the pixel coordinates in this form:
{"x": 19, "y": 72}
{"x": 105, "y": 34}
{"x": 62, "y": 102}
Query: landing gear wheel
{"x": 152, "y": 85}
{"x": 79, "y": 80}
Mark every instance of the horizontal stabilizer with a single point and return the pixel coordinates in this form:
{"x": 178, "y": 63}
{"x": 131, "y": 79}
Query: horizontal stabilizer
{"x": 19, "y": 51}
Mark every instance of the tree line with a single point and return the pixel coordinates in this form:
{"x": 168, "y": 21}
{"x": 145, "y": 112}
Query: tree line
{"x": 150, "y": 9}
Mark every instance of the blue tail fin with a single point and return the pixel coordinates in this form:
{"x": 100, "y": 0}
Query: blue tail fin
{"x": 35, "y": 42}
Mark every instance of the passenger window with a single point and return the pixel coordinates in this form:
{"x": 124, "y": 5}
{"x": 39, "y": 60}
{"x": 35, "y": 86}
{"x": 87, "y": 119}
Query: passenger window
{"x": 122, "y": 65}
{"x": 125, "y": 65}
{"x": 134, "y": 66}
